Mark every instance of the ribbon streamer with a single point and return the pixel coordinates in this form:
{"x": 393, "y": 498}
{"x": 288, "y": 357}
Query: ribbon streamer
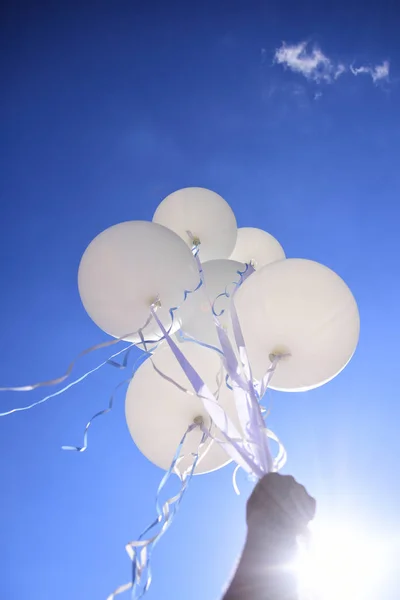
{"x": 216, "y": 412}
{"x": 219, "y": 382}
{"x": 250, "y": 450}
{"x": 278, "y": 462}
{"x": 254, "y": 449}
{"x": 184, "y": 337}
{"x": 140, "y": 550}
{"x": 136, "y": 365}
{"x": 67, "y": 387}
{"x": 110, "y": 361}
{"x": 254, "y": 424}
{"x": 247, "y": 397}
{"x": 56, "y": 381}
{"x": 98, "y": 414}
{"x": 240, "y": 374}
{"x": 263, "y": 385}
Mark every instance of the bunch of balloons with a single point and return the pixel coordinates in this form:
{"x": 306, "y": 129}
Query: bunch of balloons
{"x": 221, "y": 315}
{"x": 291, "y": 308}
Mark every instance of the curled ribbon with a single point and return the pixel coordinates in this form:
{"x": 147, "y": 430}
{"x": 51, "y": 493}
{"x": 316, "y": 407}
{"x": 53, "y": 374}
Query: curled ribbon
{"x": 64, "y": 389}
{"x": 251, "y": 453}
{"x": 235, "y": 449}
{"x": 140, "y": 550}
{"x": 110, "y": 361}
{"x": 84, "y": 446}
{"x": 250, "y": 450}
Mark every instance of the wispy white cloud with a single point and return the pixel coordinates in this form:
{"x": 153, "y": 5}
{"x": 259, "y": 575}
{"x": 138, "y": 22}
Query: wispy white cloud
{"x": 340, "y": 69}
{"x": 377, "y": 73}
{"x": 381, "y": 71}
{"x": 314, "y": 65}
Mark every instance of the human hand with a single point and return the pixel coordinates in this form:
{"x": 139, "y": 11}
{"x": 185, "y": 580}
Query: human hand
{"x": 281, "y": 501}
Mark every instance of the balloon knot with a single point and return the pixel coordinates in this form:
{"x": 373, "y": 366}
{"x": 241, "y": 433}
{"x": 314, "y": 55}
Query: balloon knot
{"x": 274, "y": 355}
{"x": 156, "y": 303}
{"x": 194, "y": 239}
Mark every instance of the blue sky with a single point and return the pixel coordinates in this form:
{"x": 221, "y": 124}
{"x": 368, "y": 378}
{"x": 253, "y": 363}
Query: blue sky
{"x": 108, "y": 107}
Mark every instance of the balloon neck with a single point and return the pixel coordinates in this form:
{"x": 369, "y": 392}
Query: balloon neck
{"x": 194, "y": 239}
{"x": 279, "y": 352}
{"x": 198, "y": 420}
{"x": 155, "y": 303}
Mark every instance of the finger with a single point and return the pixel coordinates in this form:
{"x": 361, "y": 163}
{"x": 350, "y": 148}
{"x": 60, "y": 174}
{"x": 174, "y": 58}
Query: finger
{"x": 286, "y": 494}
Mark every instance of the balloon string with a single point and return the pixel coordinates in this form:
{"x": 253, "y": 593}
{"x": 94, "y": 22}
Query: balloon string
{"x": 140, "y": 551}
{"x": 264, "y": 383}
{"x": 50, "y": 382}
{"x": 236, "y": 449}
{"x": 172, "y": 381}
{"x": 246, "y": 394}
{"x": 224, "y": 443}
{"x": 278, "y": 462}
{"x": 84, "y": 446}
{"x": 124, "y": 363}
{"x": 136, "y": 365}
{"x": 164, "y": 511}
{"x": 219, "y": 382}
{"x": 281, "y": 458}
{"x": 253, "y": 418}
{"x": 184, "y": 337}
{"x": 246, "y": 402}
{"x": 228, "y": 385}
{"x": 71, "y": 384}
{"x": 216, "y": 412}
{"x": 196, "y": 243}
{"x": 236, "y": 285}
{"x": 110, "y": 361}
{"x": 231, "y": 364}
{"x": 234, "y": 481}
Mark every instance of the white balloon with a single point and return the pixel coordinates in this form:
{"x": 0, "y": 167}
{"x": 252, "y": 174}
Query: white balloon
{"x": 158, "y": 413}
{"x": 205, "y": 214}
{"x": 299, "y": 307}
{"x": 125, "y": 268}
{"x": 195, "y": 313}
{"x": 257, "y": 247}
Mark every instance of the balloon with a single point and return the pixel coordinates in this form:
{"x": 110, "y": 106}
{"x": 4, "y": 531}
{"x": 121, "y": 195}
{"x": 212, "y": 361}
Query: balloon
{"x": 257, "y": 247}
{"x": 205, "y": 214}
{"x": 125, "y": 268}
{"x": 158, "y": 413}
{"x": 299, "y": 307}
{"x": 196, "y": 314}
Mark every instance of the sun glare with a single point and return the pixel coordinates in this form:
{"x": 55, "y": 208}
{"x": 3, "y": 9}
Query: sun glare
{"x": 339, "y": 563}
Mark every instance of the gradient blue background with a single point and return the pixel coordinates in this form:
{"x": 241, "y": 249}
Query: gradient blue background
{"x": 105, "y": 109}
